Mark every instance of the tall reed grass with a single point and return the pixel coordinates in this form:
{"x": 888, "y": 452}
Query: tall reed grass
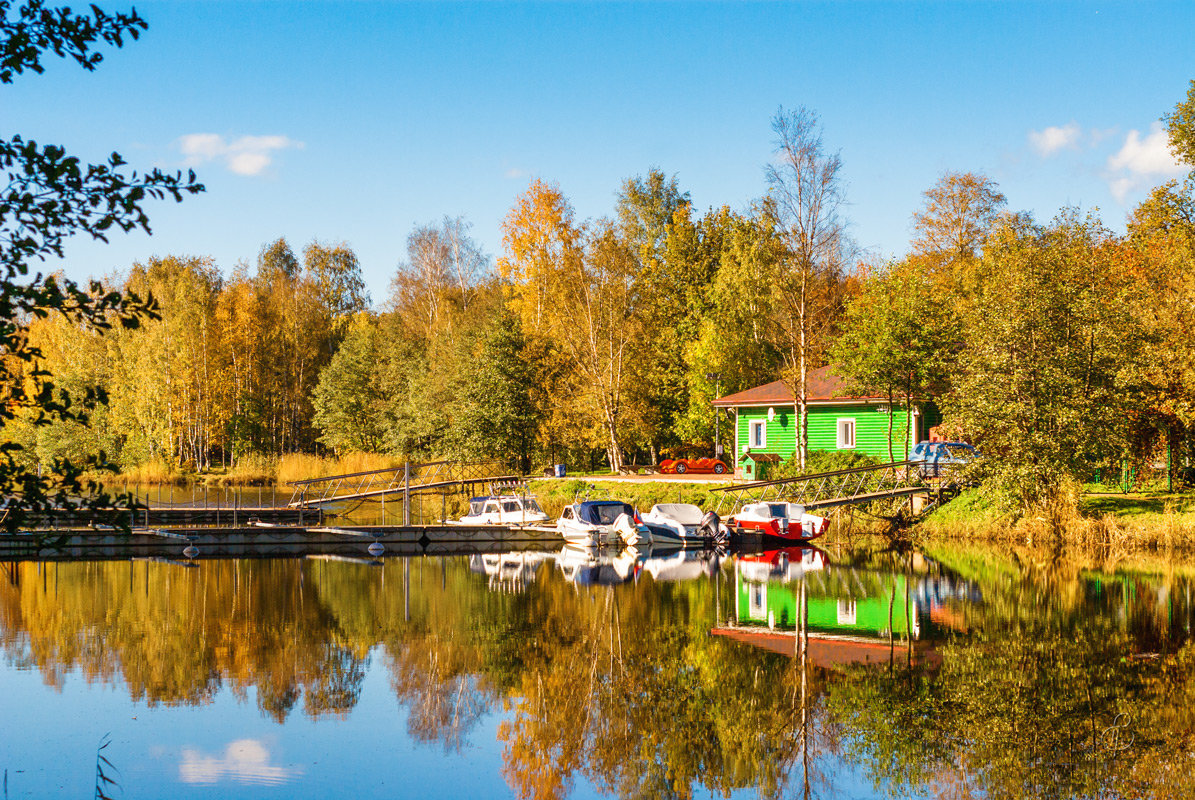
{"x": 152, "y": 473}
{"x": 299, "y": 466}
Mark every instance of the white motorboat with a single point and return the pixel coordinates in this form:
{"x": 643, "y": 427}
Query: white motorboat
{"x": 507, "y": 509}
{"x": 682, "y": 523}
{"x": 596, "y": 522}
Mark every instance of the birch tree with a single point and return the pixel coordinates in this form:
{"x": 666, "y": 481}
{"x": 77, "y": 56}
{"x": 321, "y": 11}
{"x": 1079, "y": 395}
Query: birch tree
{"x": 808, "y": 192}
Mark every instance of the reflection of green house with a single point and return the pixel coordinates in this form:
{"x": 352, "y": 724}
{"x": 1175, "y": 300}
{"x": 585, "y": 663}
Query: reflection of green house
{"x": 774, "y": 605}
{"x": 766, "y": 423}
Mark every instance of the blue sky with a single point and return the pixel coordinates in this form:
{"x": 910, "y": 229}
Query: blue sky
{"x": 356, "y": 121}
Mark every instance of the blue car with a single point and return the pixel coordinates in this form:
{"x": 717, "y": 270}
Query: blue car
{"x": 936, "y": 459}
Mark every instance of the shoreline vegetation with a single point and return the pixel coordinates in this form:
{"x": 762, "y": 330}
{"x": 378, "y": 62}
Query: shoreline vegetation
{"x": 1111, "y": 521}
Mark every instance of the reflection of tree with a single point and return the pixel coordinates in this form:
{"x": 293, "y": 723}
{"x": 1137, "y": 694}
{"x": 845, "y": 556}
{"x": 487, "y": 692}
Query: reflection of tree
{"x": 336, "y": 687}
{"x": 175, "y": 635}
{"x": 445, "y": 700}
{"x": 644, "y": 708}
{"x": 1025, "y": 712}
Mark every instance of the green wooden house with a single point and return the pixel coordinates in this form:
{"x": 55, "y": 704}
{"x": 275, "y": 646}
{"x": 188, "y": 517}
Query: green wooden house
{"x": 766, "y": 423}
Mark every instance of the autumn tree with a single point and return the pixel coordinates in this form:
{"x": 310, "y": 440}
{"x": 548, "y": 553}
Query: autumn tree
{"x": 808, "y": 192}
{"x": 959, "y": 211}
{"x": 337, "y": 272}
{"x": 1180, "y": 125}
{"x": 740, "y": 253}
{"x": 542, "y": 242}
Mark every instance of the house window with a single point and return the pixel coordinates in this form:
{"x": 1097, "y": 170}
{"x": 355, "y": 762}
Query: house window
{"x": 757, "y": 600}
{"x": 757, "y": 434}
{"x": 846, "y": 433}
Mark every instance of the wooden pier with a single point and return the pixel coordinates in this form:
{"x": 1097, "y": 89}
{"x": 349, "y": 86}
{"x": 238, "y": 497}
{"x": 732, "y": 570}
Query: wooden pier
{"x": 184, "y": 516}
{"x": 78, "y": 544}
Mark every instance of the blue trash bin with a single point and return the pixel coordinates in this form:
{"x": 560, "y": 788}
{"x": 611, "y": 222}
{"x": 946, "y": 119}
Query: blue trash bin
{"x": 559, "y": 470}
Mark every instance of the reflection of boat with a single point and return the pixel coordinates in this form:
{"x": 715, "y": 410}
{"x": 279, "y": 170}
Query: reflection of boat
{"x": 592, "y": 522}
{"x": 780, "y": 520}
{"x": 507, "y": 571}
{"x": 683, "y": 523}
{"x": 503, "y": 510}
{"x": 680, "y": 565}
{"x": 588, "y": 566}
{"x": 784, "y": 564}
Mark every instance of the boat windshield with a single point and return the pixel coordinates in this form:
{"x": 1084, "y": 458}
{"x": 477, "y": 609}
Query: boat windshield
{"x": 604, "y": 513}
{"x": 511, "y": 506}
{"x": 778, "y": 509}
{"x": 532, "y": 506}
{"x": 475, "y": 506}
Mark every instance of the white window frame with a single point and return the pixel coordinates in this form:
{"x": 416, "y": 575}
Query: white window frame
{"x": 757, "y": 601}
{"x": 762, "y": 424}
{"x": 842, "y": 430}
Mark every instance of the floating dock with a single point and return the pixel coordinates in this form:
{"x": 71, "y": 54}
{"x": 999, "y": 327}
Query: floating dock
{"x": 266, "y": 541}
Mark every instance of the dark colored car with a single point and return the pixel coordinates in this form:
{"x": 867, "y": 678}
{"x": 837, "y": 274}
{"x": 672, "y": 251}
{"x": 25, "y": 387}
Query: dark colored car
{"x": 936, "y": 459}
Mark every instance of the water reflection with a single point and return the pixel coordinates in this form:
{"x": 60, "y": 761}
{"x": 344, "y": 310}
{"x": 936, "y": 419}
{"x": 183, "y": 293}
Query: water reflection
{"x": 243, "y": 761}
{"x": 654, "y": 672}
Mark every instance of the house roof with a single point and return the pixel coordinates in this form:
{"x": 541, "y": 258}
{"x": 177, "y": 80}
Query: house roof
{"x": 824, "y": 386}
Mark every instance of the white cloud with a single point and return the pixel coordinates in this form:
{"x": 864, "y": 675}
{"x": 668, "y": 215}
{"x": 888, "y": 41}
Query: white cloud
{"x": 1141, "y": 162}
{"x": 244, "y": 761}
{"x": 514, "y": 172}
{"x": 1053, "y": 139}
{"x": 1147, "y": 156}
{"x": 248, "y": 155}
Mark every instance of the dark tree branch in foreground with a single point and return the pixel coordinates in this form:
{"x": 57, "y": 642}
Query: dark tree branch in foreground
{"x": 46, "y": 197}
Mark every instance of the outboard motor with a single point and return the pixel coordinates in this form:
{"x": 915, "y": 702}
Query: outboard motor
{"x": 711, "y": 526}
{"x": 628, "y": 531}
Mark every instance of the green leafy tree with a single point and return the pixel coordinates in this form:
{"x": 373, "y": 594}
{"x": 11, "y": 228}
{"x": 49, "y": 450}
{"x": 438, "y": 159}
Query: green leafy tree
{"x": 48, "y": 196}
{"x": 895, "y": 341}
{"x": 1038, "y": 385}
{"x": 500, "y": 417}
{"x": 348, "y": 398}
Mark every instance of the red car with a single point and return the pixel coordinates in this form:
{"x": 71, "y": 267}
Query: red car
{"x": 697, "y": 465}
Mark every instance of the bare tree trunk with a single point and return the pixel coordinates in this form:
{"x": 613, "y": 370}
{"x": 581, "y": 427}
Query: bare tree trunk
{"x": 803, "y": 388}
{"x": 891, "y": 415}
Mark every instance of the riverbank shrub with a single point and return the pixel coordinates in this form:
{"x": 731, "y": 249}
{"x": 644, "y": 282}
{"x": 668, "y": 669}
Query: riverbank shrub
{"x": 826, "y": 461}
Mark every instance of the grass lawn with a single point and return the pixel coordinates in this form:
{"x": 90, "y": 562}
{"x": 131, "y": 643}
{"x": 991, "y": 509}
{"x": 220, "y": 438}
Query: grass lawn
{"x": 1136, "y": 504}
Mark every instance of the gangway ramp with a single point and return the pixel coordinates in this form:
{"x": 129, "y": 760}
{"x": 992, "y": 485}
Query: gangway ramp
{"x": 409, "y": 479}
{"x": 854, "y": 486}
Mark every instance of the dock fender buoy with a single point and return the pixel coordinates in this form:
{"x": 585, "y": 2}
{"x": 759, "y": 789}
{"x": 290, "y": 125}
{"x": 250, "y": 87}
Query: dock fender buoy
{"x": 190, "y": 551}
{"x": 376, "y": 549}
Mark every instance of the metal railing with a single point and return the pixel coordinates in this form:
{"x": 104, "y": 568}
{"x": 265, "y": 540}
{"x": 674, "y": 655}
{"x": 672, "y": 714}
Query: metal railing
{"x": 433, "y": 476}
{"x": 846, "y": 486}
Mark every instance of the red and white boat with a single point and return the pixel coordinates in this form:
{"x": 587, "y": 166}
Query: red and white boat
{"x": 779, "y": 520}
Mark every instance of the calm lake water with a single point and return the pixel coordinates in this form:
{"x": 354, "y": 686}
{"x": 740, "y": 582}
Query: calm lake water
{"x": 848, "y": 673}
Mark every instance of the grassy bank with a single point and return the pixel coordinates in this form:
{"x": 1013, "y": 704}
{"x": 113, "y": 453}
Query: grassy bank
{"x": 1111, "y": 521}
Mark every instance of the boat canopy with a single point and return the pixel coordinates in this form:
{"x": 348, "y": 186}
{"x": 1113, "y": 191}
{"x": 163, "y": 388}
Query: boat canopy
{"x": 603, "y": 512}
{"x": 684, "y": 513}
